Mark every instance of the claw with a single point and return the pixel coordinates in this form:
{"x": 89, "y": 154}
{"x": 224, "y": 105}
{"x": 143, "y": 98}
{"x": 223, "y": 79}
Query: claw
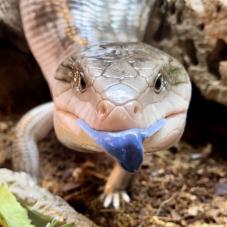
{"x": 125, "y": 197}
{"x": 115, "y": 199}
{"x": 108, "y": 200}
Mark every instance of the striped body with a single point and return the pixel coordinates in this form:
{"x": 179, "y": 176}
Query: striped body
{"x": 57, "y": 28}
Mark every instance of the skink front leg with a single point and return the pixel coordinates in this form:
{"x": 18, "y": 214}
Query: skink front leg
{"x": 115, "y": 188}
{"x": 32, "y": 127}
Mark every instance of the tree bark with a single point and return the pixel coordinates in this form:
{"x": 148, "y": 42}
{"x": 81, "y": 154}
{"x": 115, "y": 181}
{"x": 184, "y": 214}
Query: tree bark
{"x": 195, "y": 32}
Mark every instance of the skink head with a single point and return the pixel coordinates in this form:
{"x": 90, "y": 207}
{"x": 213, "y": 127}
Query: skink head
{"x": 117, "y": 86}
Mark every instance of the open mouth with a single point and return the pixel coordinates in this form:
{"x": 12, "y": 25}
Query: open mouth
{"x": 125, "y": 146}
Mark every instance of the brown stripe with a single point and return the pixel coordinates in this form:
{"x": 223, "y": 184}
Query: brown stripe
{"x": 49, "y": 30}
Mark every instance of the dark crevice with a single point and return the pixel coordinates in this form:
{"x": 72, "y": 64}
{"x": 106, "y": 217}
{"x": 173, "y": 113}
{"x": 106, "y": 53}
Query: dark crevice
{"x": 190, "y": 49}
{"x": 164, "y": 31}
{"x": 22, "y": 84}
{"x": 218, "y": 54}
{"x": 218, "y": 8}
{"x": 206, "y": 122}
{"x": 180, "y": 9}
{"x": 201, "y": 27}
{"x": 185, "y": 64}
{"x": 172, "y": 8}
{"x": 179, "y": 17}
{"x": 12, "y": 38}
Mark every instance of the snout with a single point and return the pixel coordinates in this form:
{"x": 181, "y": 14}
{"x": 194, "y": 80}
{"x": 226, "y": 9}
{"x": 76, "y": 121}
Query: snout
{"x": 119, "y": 117}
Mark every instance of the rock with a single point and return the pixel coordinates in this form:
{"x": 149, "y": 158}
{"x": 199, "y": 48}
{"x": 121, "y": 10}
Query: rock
{"x": 39, "y": 199}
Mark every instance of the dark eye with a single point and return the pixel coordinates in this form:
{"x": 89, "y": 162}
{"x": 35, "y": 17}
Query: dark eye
{"x": 159, "y": 83}
{"x": 79, "y": 82}
{"x": 82, "y": 85}
{"x": 72, "y": 73}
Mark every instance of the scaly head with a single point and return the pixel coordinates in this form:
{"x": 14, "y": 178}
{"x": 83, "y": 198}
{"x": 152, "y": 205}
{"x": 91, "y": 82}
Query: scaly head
{"x": 117, "y": 86}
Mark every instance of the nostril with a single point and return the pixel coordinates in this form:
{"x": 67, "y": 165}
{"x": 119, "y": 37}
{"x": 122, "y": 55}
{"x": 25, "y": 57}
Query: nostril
{"x": 136, "y": 109}
{"x": 102, "y": 109}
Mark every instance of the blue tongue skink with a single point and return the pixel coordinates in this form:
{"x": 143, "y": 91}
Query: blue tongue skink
{"x": 125, "y": 146}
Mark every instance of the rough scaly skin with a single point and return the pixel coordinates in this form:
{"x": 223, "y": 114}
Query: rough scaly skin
{"x": 119, "y": 74}
{"x": 34, "y": 126}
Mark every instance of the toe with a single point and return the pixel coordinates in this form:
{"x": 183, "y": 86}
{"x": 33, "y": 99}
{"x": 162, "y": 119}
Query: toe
{"x": 125, "y": 197}
{"x": 108, "y": 200}
{"x": 116, "y": 200}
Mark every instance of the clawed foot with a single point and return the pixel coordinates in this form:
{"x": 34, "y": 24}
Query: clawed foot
{"x": 115, "y": 199}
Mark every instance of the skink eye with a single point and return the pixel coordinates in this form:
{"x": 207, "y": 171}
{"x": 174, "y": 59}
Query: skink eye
{"x": 159, "y": 83}
{"x": 82, "y": 83}
{"x": 79, "y": 82}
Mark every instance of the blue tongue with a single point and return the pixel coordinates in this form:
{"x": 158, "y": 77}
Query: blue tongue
{"x": 126, "y": 146}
